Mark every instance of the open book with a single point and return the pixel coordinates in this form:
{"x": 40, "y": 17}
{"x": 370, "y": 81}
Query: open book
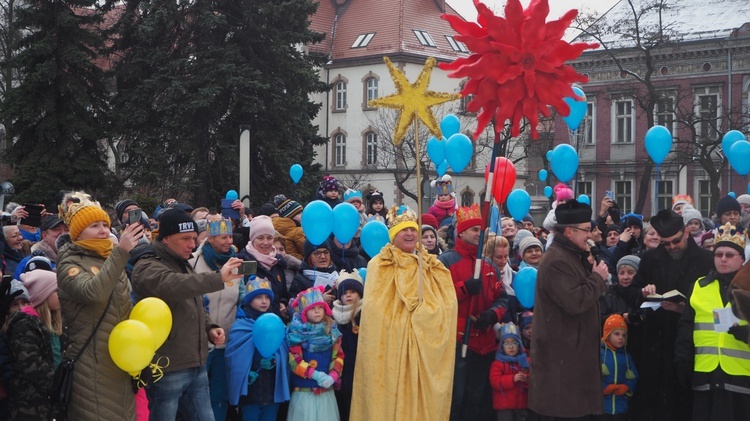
{"x": 672, "y": 295}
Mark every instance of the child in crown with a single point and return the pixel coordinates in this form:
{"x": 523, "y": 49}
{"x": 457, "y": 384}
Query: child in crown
{"x": 445, "y": 203}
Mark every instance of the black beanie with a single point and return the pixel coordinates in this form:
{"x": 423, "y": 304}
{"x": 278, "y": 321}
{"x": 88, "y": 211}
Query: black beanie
{"x": 122, "y": 205}
{"x": 310, "y": 248}
{"x": 726, "y": 204}
{"x": 175, "y": 221}
{"x": 268, "y": 209}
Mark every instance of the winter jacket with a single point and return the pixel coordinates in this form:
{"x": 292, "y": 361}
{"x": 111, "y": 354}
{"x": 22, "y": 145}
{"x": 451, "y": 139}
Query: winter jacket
{"x": 222, "y": 304}
{"x": 619, "y": 300}
{"x": 85, "y": 282}
{"x": 275, "y": 275}
{"x": 163, "y": 274}
{"x": 507, "y": 393}
{"x": 460, "y": 262}
{"x": 565, "y": 343}
{"x": 617, "y": 363}
{"x": 301, "y": 282}
{"x": 349, "y": 258}
{"x": 33, "y": 367}
{"x": 292, "y": 231}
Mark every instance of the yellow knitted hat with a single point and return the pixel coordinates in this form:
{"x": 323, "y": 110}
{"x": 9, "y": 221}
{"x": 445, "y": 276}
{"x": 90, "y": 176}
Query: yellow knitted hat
{"x": 85, "y": 216}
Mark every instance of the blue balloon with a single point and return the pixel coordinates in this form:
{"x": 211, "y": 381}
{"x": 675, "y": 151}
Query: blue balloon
{"x": 296, "y": 171}
{"x": 577, "y": 110}
{"x": 374, "y": 236}
{"x": 268, "y": 334}
{"x": 436, "y": 150}
{"x": 543, "y": 175}
{"x": 584, "y": 199}
{"x": 658, "y": 143}
{"x": 363, "y": 274}
{"x": 748, "y": 188}
{"x": 732, "y": 194}
{"x": 549, "y": 155}
{"x": 347, "y": 222}
{"x": 519, "y": 203}
{"x": 450, "y": 125}
{"x": 317, "y": 221}
{"x": 739, "y": 157}
{"x": 548, "y": 191}
{"x": 458, "y": 151}
{"x": 524, "y": 283}
{"x": 495, "y": 218}
{"x": 231, "y": 195}
{"x": 442, "y": 168}
{"x": 564, "y": 162}
{"x": 729, "y": 139}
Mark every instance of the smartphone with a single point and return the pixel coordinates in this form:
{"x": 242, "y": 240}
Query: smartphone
{"x": 134, "y": 216}
{"x": 248, "y": 268}
{"x": 609, "y": 194}
{"x": 35, "y": 214}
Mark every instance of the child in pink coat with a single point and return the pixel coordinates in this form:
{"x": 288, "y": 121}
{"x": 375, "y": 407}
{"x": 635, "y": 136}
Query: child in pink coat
{"x": 445, "y": 203}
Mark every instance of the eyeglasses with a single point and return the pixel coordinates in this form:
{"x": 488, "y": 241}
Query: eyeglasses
{"x": 511, "y": 344}
{"x": 721, "y": 255}
{"x": 319, "y": 253}
{"x": 587, "y": 230}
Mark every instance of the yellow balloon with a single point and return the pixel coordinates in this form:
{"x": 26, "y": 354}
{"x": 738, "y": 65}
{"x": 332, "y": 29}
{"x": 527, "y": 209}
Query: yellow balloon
{"x": 131, "y": 346}
{"x": 155, "y": 314}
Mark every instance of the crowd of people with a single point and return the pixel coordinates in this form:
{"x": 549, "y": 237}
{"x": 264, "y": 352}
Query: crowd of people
{"x": 633, "y": 318}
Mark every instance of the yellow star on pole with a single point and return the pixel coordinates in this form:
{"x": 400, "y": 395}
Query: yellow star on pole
{"x": 413, "y": 100}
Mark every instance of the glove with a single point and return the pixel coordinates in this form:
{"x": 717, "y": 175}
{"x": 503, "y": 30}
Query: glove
{"x": 620, "y": 389}
{"x": 486, "y": 319}
{"x": 473, "y": 286}
{"x": 740, "y": 333}
{"x": 610, "y": 389}
{"x": 324, "y": 380}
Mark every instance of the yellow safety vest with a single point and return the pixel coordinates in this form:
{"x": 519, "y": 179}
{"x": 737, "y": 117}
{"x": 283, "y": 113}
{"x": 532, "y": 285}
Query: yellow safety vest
{"x": 714, "y": 349}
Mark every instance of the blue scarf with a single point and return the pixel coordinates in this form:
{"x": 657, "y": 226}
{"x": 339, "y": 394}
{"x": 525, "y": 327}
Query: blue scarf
{"x": 213, "y": 259}
{"x": 312, "y": 336}
{"x": 519, "y": 358}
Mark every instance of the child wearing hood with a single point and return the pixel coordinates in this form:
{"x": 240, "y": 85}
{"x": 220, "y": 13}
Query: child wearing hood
{"x": 694, "y": 223}
{"x": 509, "y": 376}
{"x": 445, "y": 203}
{"x": 347, "y": 313}
{"x": 619, "y": 375}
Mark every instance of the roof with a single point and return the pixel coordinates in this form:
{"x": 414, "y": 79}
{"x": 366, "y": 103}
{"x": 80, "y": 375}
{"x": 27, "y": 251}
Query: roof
{"x": 391, "y": 25}
{"x": 688, "y": 20}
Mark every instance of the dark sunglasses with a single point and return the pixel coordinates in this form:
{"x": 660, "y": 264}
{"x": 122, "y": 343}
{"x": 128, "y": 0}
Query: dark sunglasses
{"x": 721, "y": 255}
{"x": 673, "y": 242}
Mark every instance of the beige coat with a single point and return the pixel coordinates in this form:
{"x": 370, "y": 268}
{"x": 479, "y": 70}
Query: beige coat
{"x": 101, "y": 391}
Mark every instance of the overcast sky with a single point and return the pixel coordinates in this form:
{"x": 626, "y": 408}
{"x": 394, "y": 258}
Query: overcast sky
{"x": 557, "y": 7}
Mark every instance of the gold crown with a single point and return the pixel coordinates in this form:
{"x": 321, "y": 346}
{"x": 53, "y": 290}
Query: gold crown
{"x": 728, "y": 233}
{"x": 682, "y": 198}
{"x": 74, "y": 202}
{"x": 400, "y": 214}
{"x": 464, "y": 213}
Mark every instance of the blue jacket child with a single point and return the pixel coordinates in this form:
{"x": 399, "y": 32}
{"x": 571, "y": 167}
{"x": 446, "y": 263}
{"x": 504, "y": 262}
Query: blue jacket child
{"x": 619, "y": 374}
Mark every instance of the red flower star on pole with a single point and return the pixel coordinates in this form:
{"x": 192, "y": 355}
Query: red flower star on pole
{"x": 517, "y": 67}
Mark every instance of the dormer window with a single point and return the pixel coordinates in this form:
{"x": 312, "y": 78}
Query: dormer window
{"x": 363, "y": 40}
{"x": 424, "y": 38}
{"x": 456, "y": 45}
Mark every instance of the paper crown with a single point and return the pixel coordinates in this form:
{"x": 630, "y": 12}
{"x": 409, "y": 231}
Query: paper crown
{"x": 307, "y": 299}
{"x": 74, "y": 202}
{"x": 257, "y": 286}
{"x": 400, "y": 214}
{"x": 350, "y": 194}
{"x": 219, "y": 227}
{"x": 730, "y": 236}
{"x": 465, "y": 213}
{"x": 443, "y": 185}
{"x": 681, "y": 198}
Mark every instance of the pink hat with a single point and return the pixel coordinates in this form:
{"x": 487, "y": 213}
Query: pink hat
{"x": 563, "y": 192}
{"x": 309, "y": 298}
{"x": 261, "y": 225}
{"x": 40, "y": 284}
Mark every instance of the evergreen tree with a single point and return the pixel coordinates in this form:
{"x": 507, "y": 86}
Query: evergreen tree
{"x": 56, "y": 112}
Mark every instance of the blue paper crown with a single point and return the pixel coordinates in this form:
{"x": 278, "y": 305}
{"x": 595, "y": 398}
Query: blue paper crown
{"x": 352, "y": 194}
{"x": 257, "y": 287}
{"x": 219, "y": 227}
{"x": 306, "y": 298}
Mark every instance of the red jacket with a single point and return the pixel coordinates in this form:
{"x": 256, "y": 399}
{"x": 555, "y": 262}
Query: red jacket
{"x": 492, "y": 296}
{"x": 506, "y": 393}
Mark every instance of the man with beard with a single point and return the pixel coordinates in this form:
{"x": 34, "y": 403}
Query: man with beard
{"x": 675, "y": 264}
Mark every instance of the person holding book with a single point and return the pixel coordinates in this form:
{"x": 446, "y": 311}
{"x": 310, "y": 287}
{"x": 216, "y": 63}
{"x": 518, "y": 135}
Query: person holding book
{"x": 714, "y": 360}
{"x": 675, "y": 264}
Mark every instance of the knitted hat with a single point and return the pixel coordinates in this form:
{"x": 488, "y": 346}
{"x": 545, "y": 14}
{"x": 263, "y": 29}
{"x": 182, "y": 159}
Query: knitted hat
{"x": 743, "y": 199}
{"x": 631, "y": 219}
{"x": 520, "y": 235}
{"x": 122, "y": 205}
{"x": 467, "y": 217}
{"x": 310, "y": 248}
{"x": 16, "y": 285}
{"x": 38, "y": 262}
{"x": 429, "y": 228}
{"x": 611, "y": 228}
{"x": 728, "y": 235}
{"x": 175, "y": 221}
{"x": 443, "y": 185}
{"x": 573, "y": 212}
{"x": 527, "y": 317}
{"x": 308, "y": 299}
{"x": 682, "y": 199}
{"x": 399, "y": 219}
{"x": 374, "y": 197}
{"x": 255, "y": 287}
{"x": 349, "y": 281}
{"x": 527, "y": 218}
{"x": 40, "y": 284}
{"x": 510, "y": 330}
{"x": 267, "y": 209}
{"x": 613, "y": 322}
{"x": 629, "y": 260}
{"x": 287, "y": 208}
{"x": 329, "y": 183}
{"x": 667, "y": 223}
{"x": 563, "y": 192}
{"x": 201, "y": 225}
{"x": 352, "y": 194}
{"x": 528, "y": 242}
{"x": 429, "y": 219}
{"x": 689, "y": 213}
{"x": 261, "y": 225}
{"x": 726, "y": 204}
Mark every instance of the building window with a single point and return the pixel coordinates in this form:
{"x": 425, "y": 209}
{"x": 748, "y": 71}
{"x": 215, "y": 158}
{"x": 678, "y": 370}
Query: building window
{"x": 424, "y": 38}
{"x": 371, "y": 148}
{"x": 665, "y": 116}
{"x": 585, "y": 187}
{"x": 372, "y": 88}
{"x": 456, "y": 45}
{"x": 340, "y": 95}
{"x": 704, "y": 197}
{"x": 340, "y": 150}
{"x": 664, "y": 198}
{"x": 624, "y": 121}
{"x": 624, "y": 195}
{"x": 467, "y": 198}
{"x": 587, "y": 129}
{"x": 707, "y": 109}
{"x": 464, "y": 102}
{"x": 363, "y": 40}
